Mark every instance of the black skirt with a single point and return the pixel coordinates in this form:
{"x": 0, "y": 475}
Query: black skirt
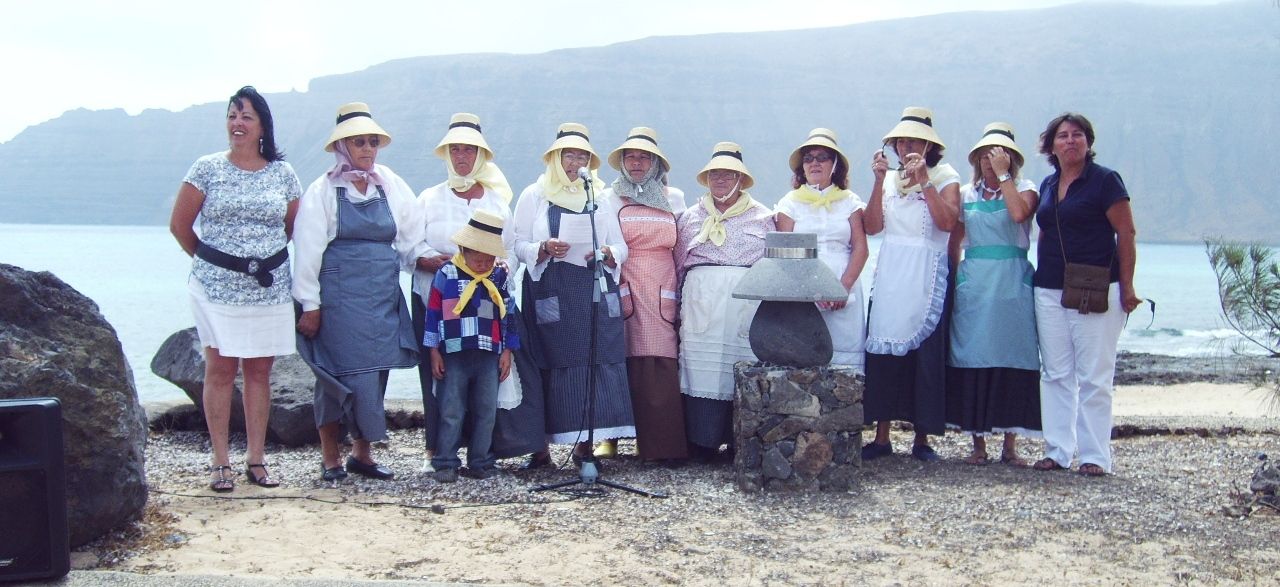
{"x": 993, "y": 400}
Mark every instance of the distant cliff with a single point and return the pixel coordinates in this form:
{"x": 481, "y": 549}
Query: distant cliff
{"x": 1183, "y": 99}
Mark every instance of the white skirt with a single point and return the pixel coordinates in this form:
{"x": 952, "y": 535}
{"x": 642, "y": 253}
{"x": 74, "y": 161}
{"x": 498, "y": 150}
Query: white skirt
{"x": 244, "y": 332}
{"x": 714, "y": 329}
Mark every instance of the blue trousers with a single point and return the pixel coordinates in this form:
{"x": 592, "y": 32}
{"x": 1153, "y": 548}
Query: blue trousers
{"x": 469, "y": 389}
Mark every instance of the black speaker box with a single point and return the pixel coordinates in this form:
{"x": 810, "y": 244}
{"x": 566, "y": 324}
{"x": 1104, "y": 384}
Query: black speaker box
{"x": 33, "y": 498}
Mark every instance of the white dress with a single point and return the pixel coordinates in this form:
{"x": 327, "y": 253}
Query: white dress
{"x": 847, "y": 325}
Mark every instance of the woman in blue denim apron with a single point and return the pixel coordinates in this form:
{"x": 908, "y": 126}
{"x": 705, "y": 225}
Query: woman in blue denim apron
{"x": 357, "y": 229}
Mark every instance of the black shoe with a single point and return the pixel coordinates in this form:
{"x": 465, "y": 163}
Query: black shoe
{"x": 538, "y": 461}
{"x": 446, "y": 476}
{"x": 873, "y": 450}
{"x": 484, "y": 473}
{"x": 372, "y": 471}
{"x": 334, "y": 474}
{"x": 925, "y": 453}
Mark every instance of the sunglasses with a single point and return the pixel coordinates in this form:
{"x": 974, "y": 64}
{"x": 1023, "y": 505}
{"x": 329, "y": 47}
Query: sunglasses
{"x": 359, "y": 142}
{"x": 823, "y": 158}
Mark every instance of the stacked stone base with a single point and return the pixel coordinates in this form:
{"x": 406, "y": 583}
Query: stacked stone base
{"x": 797, "y": 429}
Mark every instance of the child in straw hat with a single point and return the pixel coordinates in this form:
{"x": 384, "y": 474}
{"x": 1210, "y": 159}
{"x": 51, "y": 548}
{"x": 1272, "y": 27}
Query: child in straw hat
{"x": 470, "y": 336}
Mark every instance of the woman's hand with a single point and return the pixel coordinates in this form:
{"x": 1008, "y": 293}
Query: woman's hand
{"x": 437, "y": 364}
{"x": 555, "y": 248}
{"x": 309, "y": 323}
{"x": 879, "y": 165}
{"x": 504, "y": 365}
{"x": 606, "y": 255}
{"x": 433, "y": 263}
{"x": 916, "y": 168}
{"x": 1129, "y": 299}
{"x": 999, "y": 159}
{"x": 846, "y": 281}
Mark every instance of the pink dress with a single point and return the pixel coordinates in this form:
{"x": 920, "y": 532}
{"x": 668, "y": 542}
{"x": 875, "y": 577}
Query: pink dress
{"x": 650, "y": 307}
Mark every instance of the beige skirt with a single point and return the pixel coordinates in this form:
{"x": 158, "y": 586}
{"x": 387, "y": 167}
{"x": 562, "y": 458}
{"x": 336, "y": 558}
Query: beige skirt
{"x": 242, "y": 331}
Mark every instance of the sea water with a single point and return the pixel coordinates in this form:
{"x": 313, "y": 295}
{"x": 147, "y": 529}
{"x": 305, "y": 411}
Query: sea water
{"x": 137, "y": 275}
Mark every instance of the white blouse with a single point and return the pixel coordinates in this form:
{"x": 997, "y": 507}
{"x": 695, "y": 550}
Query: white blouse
{"x": 317, "y": 225}
{"x": 444, "y": 214}
{"x": 531, "y": 228}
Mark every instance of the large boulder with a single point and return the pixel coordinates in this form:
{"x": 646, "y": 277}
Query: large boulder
{"x": 55, "y": 343}
{"x": 180, "y": 361}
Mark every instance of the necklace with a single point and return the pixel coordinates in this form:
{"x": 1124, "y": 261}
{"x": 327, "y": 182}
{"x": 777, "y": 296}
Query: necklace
{"x": 993, "y": 192}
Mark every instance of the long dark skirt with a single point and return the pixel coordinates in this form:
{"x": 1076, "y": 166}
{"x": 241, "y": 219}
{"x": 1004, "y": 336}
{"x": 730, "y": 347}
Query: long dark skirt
{"x": 522, "y": 429}
{"x": 655, "y": 399}
{"x": 994, "y": 400}
{"x": 558, "y": 310}
{"x": 430, "y": 408}
{"x": 708, "y": 422}
{"x": 911, "y": 388}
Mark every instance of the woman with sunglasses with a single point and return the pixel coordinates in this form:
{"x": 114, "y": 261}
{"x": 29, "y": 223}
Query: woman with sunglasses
{"x": 553, "y": 238}
{"x": 821, "y": 203}
{"x": 717, "y": 239}
{"x": 915, "y": 207}
{"x": 357, "y": 229}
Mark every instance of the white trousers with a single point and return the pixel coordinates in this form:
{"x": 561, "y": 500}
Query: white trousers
{"x": 1077, "y": 373}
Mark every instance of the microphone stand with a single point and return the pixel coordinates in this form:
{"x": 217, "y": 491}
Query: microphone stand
{"x": 588, "y": 470}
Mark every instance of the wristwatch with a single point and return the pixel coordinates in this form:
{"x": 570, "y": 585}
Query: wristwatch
{"x": 1003, "y": 177}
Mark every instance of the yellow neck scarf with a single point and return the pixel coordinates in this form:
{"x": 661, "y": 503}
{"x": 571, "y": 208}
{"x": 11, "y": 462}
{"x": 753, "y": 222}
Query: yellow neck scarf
{"x": 806, "y": 194}
{"x": 713, "y": 227}
{"x": 483, "y": 278}
{"x": 564, "y": 192}
{"x": 483, "y": 172}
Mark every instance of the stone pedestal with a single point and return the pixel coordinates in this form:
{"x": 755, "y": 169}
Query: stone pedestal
{"x": 797, "y": 429}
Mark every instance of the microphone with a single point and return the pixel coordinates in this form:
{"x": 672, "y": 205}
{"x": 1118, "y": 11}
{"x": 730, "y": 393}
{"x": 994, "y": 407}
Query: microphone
{"x": 584, "y": 174}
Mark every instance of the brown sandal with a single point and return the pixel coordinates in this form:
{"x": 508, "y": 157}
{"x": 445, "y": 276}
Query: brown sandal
{"x": 265, "y": 480}
{"x": 1092, "y": 470}
{"x": 224, "y": 482}
{"x": 1047, "y": 464}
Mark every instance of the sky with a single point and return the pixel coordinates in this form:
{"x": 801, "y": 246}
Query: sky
{"x": 140, "y": 54}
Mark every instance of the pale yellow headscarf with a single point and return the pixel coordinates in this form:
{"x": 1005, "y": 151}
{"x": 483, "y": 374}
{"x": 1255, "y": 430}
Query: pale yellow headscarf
{"x": 807, "y": 194}
{"x": 567, "y": 193}
{"x": 483, "y": 172}
{"x": 713, "y": 227}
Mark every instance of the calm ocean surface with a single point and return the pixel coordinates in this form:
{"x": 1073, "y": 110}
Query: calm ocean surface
{"x": 137, "y": 275}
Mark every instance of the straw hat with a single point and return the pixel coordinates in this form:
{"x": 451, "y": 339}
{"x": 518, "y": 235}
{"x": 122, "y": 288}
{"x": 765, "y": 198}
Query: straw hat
{"x": 641, "y": 138}
{"x": 354, "y": 120}
{"x": 464, "y": 129}
{"x": 727, "y": 155}
{"x": 818, "y": 137}
{"x": 572, "y": 135}
{"x": 997, "y": 134}
{"x": 482, "y": 233}
{"x": 916, "y": 123}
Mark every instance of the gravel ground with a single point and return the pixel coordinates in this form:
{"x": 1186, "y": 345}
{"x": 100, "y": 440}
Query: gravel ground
{"x": 1172, "y": 513}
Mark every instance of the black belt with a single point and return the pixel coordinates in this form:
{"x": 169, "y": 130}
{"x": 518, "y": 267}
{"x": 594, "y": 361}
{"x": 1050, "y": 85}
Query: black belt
{"x": 260, "y": 269}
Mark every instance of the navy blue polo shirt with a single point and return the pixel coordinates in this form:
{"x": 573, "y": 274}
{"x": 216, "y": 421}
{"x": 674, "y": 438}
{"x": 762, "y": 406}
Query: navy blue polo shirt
{"x": 1086, "y": 235}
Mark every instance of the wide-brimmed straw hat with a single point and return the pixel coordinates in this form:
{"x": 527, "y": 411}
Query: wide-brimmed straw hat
{"x": 916, "y": 123}
{"x": 572, "y": 135}
{"x": 727, "y": 155}
{"x": 641, "y": 138}
{"x": 818, "y": 137}
{"x": 464, "y": 129}
{"x": 997, "y": 134}
{"x": 482, "y": 233}
{"x": 354, "y": 120}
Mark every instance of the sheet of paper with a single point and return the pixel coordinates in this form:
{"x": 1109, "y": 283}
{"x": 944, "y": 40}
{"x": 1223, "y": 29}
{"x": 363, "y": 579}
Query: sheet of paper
{"x": 575, "y": 229}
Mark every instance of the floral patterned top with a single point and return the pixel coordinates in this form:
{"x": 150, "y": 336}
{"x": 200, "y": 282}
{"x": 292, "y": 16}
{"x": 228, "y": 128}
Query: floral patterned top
{"x": 243, "y": 215}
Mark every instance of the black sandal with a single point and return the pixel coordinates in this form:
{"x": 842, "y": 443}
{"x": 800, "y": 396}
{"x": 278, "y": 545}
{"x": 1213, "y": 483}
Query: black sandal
{"x": 223, "y": 483}
{"x": 265, "y": 480}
